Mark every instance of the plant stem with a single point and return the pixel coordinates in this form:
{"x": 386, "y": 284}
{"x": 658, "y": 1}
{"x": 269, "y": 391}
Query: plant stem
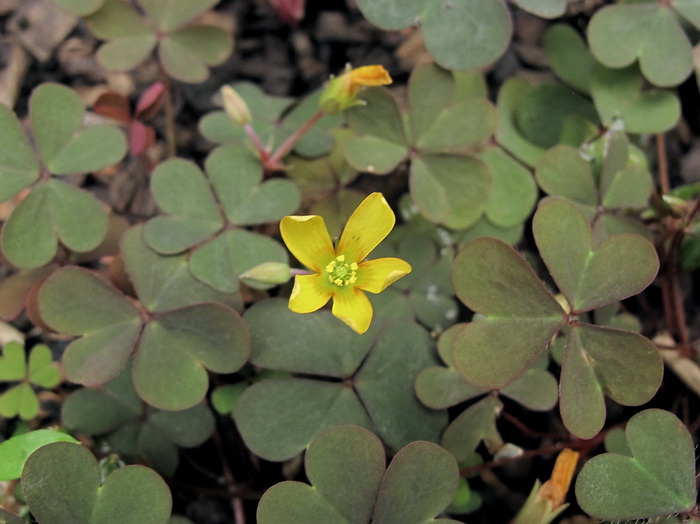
{"x": 253, "y": 136}
{"x": 273, "y": 162}
{"x": 236, "y": 502}
{"x": 169, "y": 117}
{"x": 662, "y": 159}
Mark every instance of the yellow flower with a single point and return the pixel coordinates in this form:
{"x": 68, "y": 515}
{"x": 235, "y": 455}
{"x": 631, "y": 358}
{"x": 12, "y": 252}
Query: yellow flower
{"x": 342, "y": 272}
{"x": 341, "y": 91}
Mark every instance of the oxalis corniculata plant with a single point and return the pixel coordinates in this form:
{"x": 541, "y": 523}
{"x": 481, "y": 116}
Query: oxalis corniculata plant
{"x": 485, "y": 317}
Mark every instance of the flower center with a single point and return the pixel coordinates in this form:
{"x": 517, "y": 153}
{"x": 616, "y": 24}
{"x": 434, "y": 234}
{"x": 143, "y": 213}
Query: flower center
{"x": 340, "y": 272}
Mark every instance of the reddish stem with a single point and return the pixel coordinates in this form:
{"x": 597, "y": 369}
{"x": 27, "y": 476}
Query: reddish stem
{"x": 274, "y": 161}
{"x": 236, "y": 501}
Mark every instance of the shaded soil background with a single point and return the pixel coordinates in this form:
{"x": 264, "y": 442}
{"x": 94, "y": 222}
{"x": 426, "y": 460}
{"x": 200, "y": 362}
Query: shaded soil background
{"x": 40, "y": 44}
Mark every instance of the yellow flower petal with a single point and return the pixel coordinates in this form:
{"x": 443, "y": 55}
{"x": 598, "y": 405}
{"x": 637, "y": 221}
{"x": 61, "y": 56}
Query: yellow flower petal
{"x": 308, "y": 240}
{"x": 369, "y": 224}
{"x": 372, "y": 75}
{"x": 353, "y": 307}
{"x": 375, "y": 275}
{"x": 309, "y": 294}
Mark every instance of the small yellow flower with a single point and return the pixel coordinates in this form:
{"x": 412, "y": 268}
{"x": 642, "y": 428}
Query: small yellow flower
{"x": 341, "y": 91}
{"x": 342, "y": 272}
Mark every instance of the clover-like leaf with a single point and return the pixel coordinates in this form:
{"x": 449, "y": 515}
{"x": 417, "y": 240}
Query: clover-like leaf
{"x": 171, "y": 14}
{"x": 219, "y": 263}
{"x": 545, "y": 110}
{"x": 418, "y": 484}
{"x": 360, "y": 456}
{"x": 57, "y": 117}
{"x": 624, "y": 366}
{"x": 451, "y": 190}
{"x": 474, "y": 424}
{"x": 61, "y": 483}
{"x": 15, "y": 450}
{"x": 115, "y": 413}
{"x": 183, "y": 192}
{"x": 237, "y": 177}
{"x": 13, "y": 363}
{"x": 53, "y": 211}
{"x": 18, "y": 165}
{"x": 521, "y": 316}
{"x": 488, "y": 26}
{"x": 186, "y": 336}
{"x": 177, "y": 347}
{"x": 657, "y": 479}
{"x": 80, "y": 7}
{"x": 618, "y": 93}
{"x": 278, "y": 418}
{"x": 650, "y": 32}
{"x": 569, "y": 56}
{"x": 76, "y": 302}
{"x": 16, "y": 289}
{"x": 441, "y": 387}
{"x": 164, "y": 283}
{"x": 513, "y": 191}
{"x": 305, "y": 406}
{"x": 382, "y": 143}
{"x": 342, "y": 353}
{"x": 185, "y": 51}
{"x": 423, "y": 464}
{"x": 544, "y": 8}
{"x": 509, "y": 136}
{"x": 591, "y": 275}
{"x": 563, "y": 172}
{"x": 19, "y": 400}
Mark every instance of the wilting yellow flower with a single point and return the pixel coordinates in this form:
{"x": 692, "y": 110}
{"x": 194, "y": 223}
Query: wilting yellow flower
{"x": 341, "y": 92}
{"x": 342, "y": 272}
{"x": 546, "y": 501}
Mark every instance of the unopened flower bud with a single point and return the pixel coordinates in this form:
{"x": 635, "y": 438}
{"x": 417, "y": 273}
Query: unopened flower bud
{"x": 266, "y": 274}
{"x": 235, "y": 106}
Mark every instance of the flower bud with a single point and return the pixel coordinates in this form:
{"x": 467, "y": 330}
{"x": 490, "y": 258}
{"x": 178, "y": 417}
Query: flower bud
{"x": 235, "y": 106}
{"x": 266, "y": 274}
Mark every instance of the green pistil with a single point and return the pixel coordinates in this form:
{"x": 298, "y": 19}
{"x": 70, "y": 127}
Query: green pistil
{"x": 340, "y": 272}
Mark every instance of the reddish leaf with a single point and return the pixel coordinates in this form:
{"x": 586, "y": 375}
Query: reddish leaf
{"x": 289, "y": 11}
{"x": 113, "y": 105}
{"x": 141, "y": 137}
{"x": 150, "y": 101}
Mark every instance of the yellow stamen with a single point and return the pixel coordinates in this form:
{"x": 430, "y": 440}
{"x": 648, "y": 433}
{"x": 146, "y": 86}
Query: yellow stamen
{"x": 340, "y": 272}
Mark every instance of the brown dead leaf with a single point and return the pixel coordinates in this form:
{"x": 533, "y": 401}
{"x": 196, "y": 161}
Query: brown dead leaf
{"x": 40, "y": 26}
{"x": 16, "y": 63}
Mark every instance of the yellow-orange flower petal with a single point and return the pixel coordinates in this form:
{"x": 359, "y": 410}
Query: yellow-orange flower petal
{"x": 308, "y": 240}
{"x": 353, "y": 307}
{"x": 341, "y": 91}
{"x": 372, "y": 75}
{"x": 556, "y": 488}
{"x": 309, "y": 294}
{"x": 369, "y": 224}
{"x": 375, "y": 275}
